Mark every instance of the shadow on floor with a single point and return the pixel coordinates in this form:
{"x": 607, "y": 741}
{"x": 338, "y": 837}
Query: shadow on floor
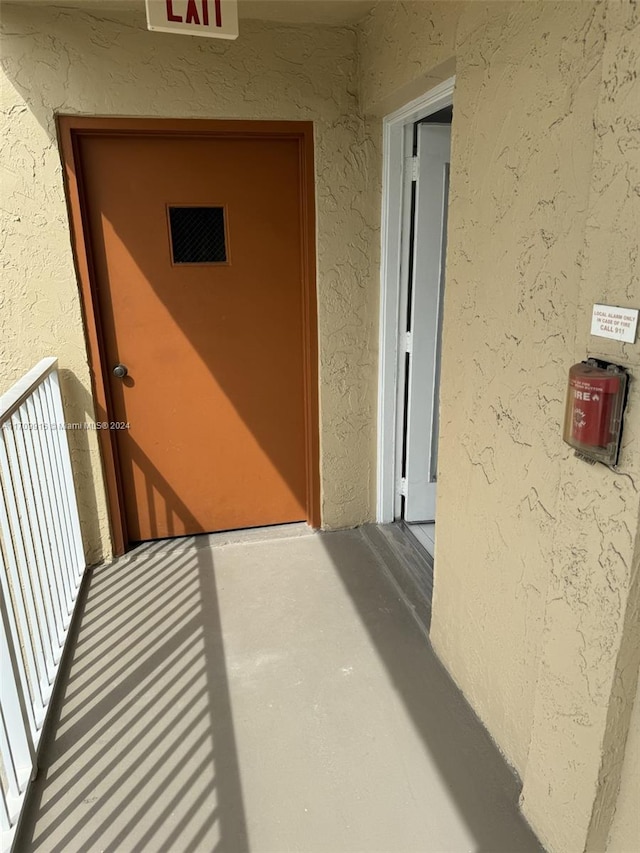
{"x": 143, "y": 755}
{"x": 472, "y": 770}
{"x": 269, "y": 695}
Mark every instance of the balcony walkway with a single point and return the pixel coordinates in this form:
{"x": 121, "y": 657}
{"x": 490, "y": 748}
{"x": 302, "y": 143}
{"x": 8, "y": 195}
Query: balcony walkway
{"x": 266, "y": 691}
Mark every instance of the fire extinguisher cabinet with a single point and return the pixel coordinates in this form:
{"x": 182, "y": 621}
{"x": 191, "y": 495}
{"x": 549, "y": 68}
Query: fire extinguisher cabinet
{"x": 593, "y": 415}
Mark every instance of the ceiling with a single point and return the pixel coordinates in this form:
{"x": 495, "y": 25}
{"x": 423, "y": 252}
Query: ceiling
{"x": 329, "y": 12}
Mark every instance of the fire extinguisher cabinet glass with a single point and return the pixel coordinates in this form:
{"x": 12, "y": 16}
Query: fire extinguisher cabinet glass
{"x": 593, "y": 414}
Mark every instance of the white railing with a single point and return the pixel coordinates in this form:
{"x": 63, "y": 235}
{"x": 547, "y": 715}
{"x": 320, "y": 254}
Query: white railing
{"x": 41, "y": 566}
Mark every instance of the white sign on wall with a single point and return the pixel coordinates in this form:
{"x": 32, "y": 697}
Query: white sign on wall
{"x": 211, "y": 18}
{"x": 619, "y": 324}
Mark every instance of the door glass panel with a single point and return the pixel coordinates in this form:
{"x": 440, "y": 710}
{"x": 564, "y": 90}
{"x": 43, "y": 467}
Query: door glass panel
{"x": 197, "y": 235}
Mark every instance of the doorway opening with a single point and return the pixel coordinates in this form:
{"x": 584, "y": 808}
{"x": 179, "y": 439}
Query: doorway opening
{"x": 415, "y": 203}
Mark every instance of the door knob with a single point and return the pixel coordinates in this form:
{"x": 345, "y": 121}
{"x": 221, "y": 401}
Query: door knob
{"x": 120, "y": 371}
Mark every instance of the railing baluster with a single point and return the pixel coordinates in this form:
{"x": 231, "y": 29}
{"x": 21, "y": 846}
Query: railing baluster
{"x": 58, "y": 488}
{"x": 18, "y": 666}
{"x": 67, "y": 477}
{"x": 21, "y": 594}
{"x": 8, "y": 763}
{"x": 5, "y": 824}
{"x": 14, "y": 710}
{"x": 47, "y": 529}
{"x": 11, "y": 772}
{"x": 24, "y": 547}
{"x": 31, "y": 536}
{"x": 62, "y": 583}
{"x": 41, "y": 567}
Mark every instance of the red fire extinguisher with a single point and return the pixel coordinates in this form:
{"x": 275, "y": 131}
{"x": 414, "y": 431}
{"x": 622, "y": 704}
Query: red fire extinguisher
{"x": 593, "y": 417}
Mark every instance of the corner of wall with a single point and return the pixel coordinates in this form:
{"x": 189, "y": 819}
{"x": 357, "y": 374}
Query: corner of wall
{"x": 624, "y": 835}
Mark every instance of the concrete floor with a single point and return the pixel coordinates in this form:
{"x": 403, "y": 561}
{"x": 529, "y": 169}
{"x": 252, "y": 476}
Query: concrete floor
{"x": 266, "y": 692}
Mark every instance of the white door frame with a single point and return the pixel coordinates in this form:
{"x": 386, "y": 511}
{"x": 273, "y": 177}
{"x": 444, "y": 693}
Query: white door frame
{"x": 391, "y": 291}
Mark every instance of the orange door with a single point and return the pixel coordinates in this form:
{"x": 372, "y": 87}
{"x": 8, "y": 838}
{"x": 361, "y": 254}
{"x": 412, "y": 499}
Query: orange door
{"x": 197, "y": 255}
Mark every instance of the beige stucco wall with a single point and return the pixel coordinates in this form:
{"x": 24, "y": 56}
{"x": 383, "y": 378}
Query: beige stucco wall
{"x": 536, "y": 592}
{"x": 591, "y": 642}
{"x": 625, "y": 828}
{"x": 106, "y": 63}
{"x": 535, "y": 577}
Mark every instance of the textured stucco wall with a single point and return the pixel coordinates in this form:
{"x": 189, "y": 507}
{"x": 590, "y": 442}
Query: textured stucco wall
{"x": 537, "y": 554}
{"x": 625, "y": 828}
{"x": 535, "y": 579}
{"x": 106, "y": 63}
{"x": 591, "y": 643}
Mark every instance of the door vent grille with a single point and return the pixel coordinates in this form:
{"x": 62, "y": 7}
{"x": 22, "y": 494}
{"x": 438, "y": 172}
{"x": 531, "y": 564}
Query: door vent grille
{"x": 197, "y": 235}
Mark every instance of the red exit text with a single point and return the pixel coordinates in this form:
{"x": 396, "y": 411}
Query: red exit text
{"x": 194, "y": 12}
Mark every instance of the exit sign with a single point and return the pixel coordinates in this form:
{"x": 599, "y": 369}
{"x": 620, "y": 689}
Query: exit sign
{"x": 211, "y": 18}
